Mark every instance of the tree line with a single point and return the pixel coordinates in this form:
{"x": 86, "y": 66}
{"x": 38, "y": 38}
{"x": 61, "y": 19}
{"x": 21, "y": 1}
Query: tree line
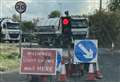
{"x": 105, "y": 25}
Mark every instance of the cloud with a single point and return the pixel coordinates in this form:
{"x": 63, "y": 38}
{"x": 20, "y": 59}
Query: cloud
{"x": 7, "y": 7}
{"x": 41, "y": 8}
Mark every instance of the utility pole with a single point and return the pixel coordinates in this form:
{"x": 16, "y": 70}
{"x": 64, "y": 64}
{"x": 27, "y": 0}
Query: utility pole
{"x": 60, "y": 7}
{"x": 100, "y": 6}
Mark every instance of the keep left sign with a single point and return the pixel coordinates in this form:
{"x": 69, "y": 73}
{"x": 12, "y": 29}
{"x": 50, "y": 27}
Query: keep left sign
{"x": 85, "y": 51}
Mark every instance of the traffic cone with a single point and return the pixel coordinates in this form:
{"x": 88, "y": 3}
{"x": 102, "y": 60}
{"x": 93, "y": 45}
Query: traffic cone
{"x": 91, "y": 74}
{"x": 98, "y": 72}
{"x": 63, "y": 76}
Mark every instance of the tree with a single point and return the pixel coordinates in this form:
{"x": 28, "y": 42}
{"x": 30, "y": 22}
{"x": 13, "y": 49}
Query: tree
{"x": 15, "y": 18}
{"x": 27, "y": 26}
{"x": 114, "y": 5}
{"x": 54, "y": 14}
{"x": 105, "y": 26}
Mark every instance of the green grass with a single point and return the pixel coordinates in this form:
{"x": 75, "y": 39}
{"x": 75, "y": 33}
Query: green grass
{"x": 9, "y": 57}
{"x": 8, "y": 64}
{"x": 8, "y": 48}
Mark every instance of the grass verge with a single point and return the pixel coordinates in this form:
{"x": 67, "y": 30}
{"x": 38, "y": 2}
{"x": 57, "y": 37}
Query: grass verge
{"x": 9, "y": 57}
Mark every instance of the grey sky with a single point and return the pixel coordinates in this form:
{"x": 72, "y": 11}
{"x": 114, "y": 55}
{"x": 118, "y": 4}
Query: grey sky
{"x": 41, "y": 8}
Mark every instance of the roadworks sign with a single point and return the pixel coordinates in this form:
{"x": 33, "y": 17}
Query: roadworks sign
{"x": 38, "y": 61}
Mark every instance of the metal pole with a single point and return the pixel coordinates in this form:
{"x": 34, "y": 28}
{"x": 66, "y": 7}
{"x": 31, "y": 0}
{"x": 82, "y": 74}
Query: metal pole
{"x": 20, "y": 33}
{"x": 100, "y": 5}
{"x": 60, "y": 6}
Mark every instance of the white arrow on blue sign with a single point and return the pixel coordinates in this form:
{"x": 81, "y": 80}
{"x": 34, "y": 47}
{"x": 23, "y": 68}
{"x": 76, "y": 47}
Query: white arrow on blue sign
{"x": 59, "y": 58}
{"x": 85, "y": 51}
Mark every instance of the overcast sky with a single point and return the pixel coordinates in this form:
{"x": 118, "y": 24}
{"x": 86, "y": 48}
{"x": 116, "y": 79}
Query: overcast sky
{"x": 41, "y": 8}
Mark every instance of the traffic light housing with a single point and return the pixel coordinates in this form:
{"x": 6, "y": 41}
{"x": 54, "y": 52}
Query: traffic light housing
{"x": 66, "y": 25}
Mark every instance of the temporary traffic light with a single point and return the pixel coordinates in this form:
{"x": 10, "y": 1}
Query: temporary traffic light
{"x": 66, "y": 25}
{"x": 66, "y": 21}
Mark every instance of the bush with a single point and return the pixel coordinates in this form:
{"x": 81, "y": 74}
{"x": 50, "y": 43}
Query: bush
{"x": 13, "y": 56}
{"x": 105, "y": 26}
{"x": 9, "y": 56}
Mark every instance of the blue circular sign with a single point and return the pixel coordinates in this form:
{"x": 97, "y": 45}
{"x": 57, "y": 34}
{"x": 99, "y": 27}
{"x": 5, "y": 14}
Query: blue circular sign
{"x": 59, "y": 58}
{"x": 85, "y": 50}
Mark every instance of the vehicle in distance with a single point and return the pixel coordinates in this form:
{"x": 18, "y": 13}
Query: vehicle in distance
{"x": 49, "y": 31}
{"x": 9, "y": 30}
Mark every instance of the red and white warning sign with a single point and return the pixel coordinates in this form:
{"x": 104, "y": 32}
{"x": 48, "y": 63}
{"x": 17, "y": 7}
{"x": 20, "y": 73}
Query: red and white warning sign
{"x": 38, "y": 61}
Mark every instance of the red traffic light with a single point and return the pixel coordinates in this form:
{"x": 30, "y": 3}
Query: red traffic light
{"x": 66, "y": 21}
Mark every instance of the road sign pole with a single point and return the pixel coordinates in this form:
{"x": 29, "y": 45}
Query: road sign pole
{"x": 20, "y": 7}
{"x": 20, "y": 33}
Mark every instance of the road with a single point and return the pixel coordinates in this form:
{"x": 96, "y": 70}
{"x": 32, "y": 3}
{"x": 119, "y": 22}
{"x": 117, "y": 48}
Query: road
{"x": 109, "y": 64}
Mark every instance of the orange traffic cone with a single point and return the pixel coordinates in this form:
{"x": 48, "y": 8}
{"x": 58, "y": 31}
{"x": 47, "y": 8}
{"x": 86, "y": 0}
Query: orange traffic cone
{"x": 91, "y": 74}
{"x": 63, "y": 76}
{"x": 98, "y": 72}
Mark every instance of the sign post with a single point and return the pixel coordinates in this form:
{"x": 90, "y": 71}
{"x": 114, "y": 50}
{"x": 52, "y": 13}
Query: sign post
{"x": 20, "y": 7}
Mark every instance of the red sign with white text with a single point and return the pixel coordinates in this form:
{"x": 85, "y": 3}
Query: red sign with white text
{"x": 38, "y": 61}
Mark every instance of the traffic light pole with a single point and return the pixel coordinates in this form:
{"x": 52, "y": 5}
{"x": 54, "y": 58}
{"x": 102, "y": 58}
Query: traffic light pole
{"x": 69, "y": 53}
{"x": 70, "y": 58}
